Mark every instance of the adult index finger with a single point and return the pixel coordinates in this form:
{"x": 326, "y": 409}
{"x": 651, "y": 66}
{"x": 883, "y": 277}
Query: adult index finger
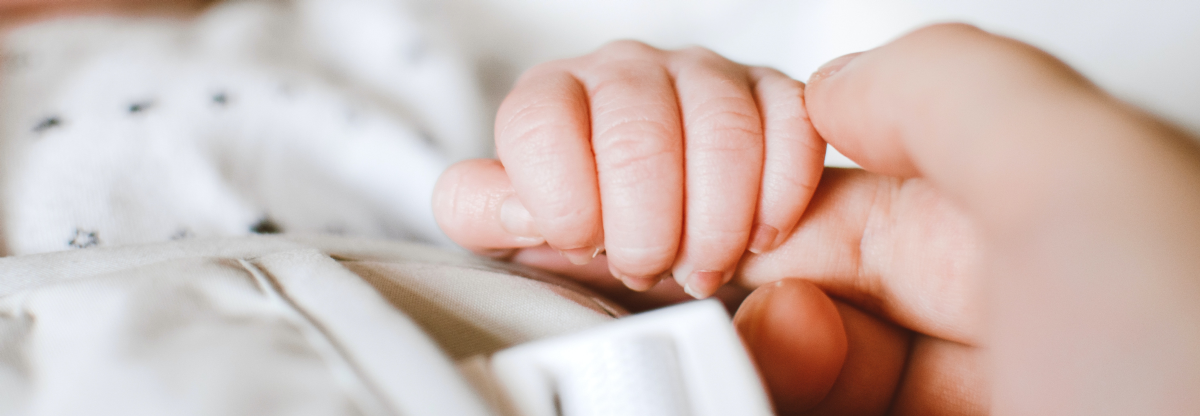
{"x": 956, "y": 105}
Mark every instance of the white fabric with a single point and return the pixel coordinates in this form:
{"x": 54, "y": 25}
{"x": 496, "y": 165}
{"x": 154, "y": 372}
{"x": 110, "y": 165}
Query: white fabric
{"x": 685, "y": 360}
{"x": 258, "y": 114}
{"x": 263, "y": 326}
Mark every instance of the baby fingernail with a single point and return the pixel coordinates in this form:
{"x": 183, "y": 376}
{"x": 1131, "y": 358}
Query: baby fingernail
{"x": 703, "y": 283}
{"x": 762, "y": 238}
{"x": 832, "y": 67}
{"x": 639, "y": 283}
{"x": 581, "y": 256}
{"x": 515, "y": 219}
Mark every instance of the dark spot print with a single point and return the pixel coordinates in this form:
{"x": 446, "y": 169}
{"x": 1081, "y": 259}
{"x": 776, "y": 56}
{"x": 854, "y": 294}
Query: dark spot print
{"x": 47, "y": 124}
{"x": 183, "y": 234}
{"x": 84, "y": 239}
{"x": 220, "y": 99}
{"x": 140, "y": 107}
{"x": 266, "y": 226}
{"x": 427, "y": 138}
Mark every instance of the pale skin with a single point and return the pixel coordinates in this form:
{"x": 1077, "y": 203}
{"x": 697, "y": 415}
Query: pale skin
{"x": 1018, "y": 242}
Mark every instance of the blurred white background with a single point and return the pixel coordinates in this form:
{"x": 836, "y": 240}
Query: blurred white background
{"x": 1145, "y": 51}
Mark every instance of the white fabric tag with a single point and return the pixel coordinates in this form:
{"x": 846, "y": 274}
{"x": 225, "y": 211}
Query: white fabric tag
{"x": 685, "y": 360}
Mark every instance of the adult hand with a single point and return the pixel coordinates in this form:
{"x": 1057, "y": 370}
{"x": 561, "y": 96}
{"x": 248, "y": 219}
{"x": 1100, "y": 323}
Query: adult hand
{"x": 1019, "y": 243}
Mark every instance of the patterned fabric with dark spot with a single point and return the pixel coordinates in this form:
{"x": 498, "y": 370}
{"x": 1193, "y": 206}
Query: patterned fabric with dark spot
{"x": 124, "y": 130}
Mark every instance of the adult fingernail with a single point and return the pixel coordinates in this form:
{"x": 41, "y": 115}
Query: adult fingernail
{"x": 580, "y": 256}
{"x": 703, "y": 283}
{"x": 832, "y": 67}
{"x": 515, "y": 219}
{"x": 762, "y": 238}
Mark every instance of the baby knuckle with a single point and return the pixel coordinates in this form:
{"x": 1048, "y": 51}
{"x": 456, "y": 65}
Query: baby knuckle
{"x": 699, "y": 53}
{"x": 546, "y": 69}
{"x": 453, "y": 204}
{"x": 530, "y": 122}
{"x": 701, "y": 57}
{"x": 570, "y": 218}
{"x": 534, "y": 129}
{"x": 792, "y": 179}
{"x": 630, "y": 144}
{"x": 618, "y": 80}
{"x": 725, "y": 126}
{"x": 718, "y": 237}
{"x": 627, "y": 48}
{"x": 787, "y": 87}
{"x": 952, "y": 29}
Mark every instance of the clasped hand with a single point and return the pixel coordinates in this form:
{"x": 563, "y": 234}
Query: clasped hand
{"x": 997, "y": 182}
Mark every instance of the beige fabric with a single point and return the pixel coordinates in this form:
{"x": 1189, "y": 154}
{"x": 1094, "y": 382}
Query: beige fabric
{"x": 467, "y": 321}
{"x": 265, "y": 326}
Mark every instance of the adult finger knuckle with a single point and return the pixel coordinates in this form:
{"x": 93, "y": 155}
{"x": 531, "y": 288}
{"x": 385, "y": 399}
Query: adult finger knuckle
{"x": 945, "y": 44}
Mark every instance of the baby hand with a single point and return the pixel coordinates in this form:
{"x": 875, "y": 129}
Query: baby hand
{"x": 669, "y": 161}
